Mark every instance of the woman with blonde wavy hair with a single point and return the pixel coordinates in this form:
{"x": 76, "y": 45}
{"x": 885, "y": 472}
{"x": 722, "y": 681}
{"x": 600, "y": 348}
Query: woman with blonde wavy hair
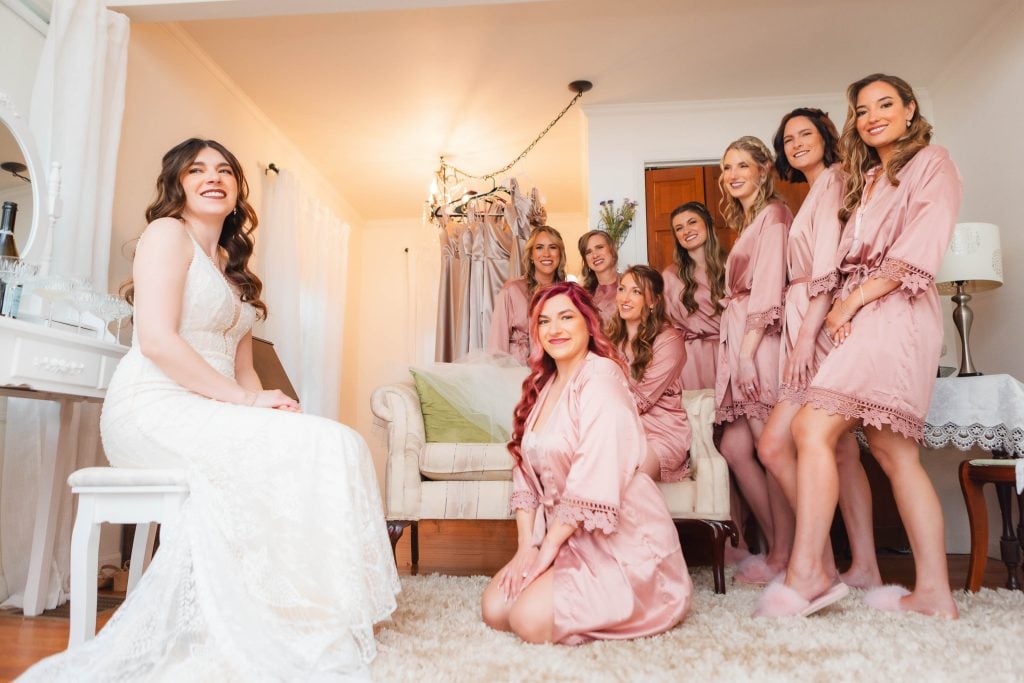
{"x": 598, "y": 555}
{"x": 656, "y": 353}
{"x": 600, "y": 271}
{"x": 900, "y": 203}
{"x": 746, "y": 385}
{"x": 544, "y": 262}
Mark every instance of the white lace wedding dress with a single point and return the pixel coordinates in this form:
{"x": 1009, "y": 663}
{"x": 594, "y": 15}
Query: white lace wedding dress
{"x": 280, "y": 563}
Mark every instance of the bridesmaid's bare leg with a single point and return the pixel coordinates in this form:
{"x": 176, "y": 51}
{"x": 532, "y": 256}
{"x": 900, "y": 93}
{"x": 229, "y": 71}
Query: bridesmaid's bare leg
{"x": 737, "y": 448}
{"x": 855, "y": 504}
{"x": 783, "y": 522}
{"x": 816, "y": 433}
{"x": 493, "y": 607}
{"x": 922, "y": 516}
{"x": 533, "y": 614}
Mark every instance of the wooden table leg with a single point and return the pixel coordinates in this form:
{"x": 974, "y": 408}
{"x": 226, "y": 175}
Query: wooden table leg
{"x": 977, "y": 516}
{"x": 1009, "y": 547}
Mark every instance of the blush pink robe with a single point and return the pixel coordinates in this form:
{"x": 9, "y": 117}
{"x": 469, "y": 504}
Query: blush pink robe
{"x": 604, "y": 301}
{"x": 813, "y": 259}
{"x": 700, "y": 328}
{"x": 755, "y": 278}
{"x": 622, "y": 573}
{"x": 510, "y": 321}
{"x": 659, "y": 400}
{"x": 884, "y": 372}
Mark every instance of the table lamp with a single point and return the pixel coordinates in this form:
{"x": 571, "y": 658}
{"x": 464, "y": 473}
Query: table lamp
{"x": 973, "y": 263}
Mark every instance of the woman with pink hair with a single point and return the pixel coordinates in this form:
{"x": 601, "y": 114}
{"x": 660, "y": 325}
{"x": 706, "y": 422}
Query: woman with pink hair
{"x": 598, "y": 556}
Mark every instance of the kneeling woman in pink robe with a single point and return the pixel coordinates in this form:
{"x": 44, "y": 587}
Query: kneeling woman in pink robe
{"x": 656, "y": 354}
{"x": 598, "y": 557}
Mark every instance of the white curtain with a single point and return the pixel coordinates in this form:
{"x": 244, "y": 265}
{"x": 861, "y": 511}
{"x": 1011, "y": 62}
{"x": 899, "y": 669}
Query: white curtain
{"x": 302, "y": 257}
{"x": 77, "y": 105}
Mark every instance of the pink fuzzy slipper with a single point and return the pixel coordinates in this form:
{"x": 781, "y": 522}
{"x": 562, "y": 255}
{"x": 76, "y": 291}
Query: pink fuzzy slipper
{"x": 753, "y": 571}
{"x": 779, "y": 600}
{"x": 886, "y": 598}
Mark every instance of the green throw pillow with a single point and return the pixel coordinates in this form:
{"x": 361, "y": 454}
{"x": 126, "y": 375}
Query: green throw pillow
{"x": 441, "y": 422}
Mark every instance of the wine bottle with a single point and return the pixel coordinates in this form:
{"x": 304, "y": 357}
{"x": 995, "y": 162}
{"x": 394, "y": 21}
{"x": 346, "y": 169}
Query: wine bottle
{"x": 8, "y": 250}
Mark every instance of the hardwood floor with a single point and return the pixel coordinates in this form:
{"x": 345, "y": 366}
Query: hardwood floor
{"x": 457, "y": 548}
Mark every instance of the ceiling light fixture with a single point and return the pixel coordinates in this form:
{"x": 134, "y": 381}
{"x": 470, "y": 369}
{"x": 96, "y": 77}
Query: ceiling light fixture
{"x": 16, "y": 168}
{"x": 448, "y": 185}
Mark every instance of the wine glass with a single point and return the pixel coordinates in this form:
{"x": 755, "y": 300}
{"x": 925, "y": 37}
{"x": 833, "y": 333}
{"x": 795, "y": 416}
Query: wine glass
{"x": 52, "y": 289}
{"x": 122, "y": 310}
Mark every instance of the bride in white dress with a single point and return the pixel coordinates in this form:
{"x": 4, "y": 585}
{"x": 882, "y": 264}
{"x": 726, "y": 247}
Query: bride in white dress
{"x": 280, "y": 564}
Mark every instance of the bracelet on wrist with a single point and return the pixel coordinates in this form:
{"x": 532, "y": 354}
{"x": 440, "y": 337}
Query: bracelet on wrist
{"x": 250, "y": 397}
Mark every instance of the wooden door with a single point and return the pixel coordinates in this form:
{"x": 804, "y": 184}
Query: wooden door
{"x": 667, "y": 188}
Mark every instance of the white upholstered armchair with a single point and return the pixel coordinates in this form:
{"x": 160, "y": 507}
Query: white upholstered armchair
{"x": 437, "y": 481}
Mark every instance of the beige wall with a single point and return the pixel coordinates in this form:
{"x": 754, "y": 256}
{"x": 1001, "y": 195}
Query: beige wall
{"x": 174, "y": 92}
{"x": 978, "y": 112}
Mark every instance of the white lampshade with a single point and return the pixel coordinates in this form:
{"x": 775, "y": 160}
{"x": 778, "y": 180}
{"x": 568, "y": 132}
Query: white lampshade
{"x": 973, "y": 257}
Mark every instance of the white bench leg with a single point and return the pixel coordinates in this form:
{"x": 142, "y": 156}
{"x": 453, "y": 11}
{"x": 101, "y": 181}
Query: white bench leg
{"x": 85, "y": 544}
{"x": 142, "y": 553}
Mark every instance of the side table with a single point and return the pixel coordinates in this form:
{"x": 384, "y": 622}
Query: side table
{"x": 988, "y": 412}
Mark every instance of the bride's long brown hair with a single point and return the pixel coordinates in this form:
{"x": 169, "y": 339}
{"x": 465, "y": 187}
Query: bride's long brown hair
{"x": 236, "y": 233}
{"x": 542, "y": 366}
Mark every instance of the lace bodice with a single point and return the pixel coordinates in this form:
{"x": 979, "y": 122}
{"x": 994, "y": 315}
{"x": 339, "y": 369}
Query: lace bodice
{"x": 213, "y": 318}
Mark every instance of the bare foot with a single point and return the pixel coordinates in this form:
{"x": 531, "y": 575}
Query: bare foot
{"x": 935, "y": 603}
{"x": 858, "y": 577}
{"x": 809, "y": 586}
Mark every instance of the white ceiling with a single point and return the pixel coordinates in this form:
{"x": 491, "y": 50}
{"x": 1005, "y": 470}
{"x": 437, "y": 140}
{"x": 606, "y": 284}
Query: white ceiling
{"x": 374, "y": 97}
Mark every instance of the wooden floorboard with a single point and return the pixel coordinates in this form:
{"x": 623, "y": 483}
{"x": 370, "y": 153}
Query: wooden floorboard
{"x": 457, "y": 548}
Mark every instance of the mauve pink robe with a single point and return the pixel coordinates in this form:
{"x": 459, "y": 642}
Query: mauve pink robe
{"x": 604, "y": 301}
{"x": 884, "y": 372}
{"x": 659, "y": 400}
{"x": 622, "y": 573}
{"x": 510, "y": 321}
{"x": 755, "y": 278}
{"x": 700, "y": 328}
{"x": 813, "y": 247}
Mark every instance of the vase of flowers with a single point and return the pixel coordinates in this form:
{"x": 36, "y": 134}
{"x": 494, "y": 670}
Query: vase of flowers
{"x": 616, "y": 221}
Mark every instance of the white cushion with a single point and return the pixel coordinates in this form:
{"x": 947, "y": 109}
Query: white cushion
{"x": 993, "y": 463}
{"x": 90, "y": 477}
{"x": 466, "y": 462}
{"x": 465, "y": 500}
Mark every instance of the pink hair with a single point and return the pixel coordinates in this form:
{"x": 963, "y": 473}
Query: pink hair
{"x": 542, "y": 366}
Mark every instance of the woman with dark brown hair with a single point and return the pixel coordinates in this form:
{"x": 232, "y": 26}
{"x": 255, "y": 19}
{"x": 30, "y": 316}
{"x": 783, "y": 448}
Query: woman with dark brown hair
{"x": 600, "y": 271}
{"x": 249, "y": 582}
{"x": 544, "y": 262}
{"x": 656, "y": 354}
{"x": 695, "y": 291}
{"x": 900, "y": 201}
{"x": 598, "y": 556}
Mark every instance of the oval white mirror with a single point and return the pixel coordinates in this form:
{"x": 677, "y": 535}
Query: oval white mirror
{"x": 23, "y": 181}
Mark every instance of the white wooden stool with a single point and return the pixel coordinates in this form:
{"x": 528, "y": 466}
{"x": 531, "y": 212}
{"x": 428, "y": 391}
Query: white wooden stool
{"x": 118, "y": 496}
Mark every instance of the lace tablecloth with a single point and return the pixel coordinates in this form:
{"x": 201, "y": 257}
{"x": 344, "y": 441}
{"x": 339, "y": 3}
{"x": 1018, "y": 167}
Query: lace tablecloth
{"x": 985, "y": 411}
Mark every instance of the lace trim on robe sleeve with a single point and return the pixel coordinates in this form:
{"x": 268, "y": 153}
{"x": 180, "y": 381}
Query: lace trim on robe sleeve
{"x": 523, "y": 500}
{"x": 912, "y": 279}
{"x": 770, "y": 320}
{"x": 823, "y": 284}
{"x": 643, "y": 403}
{"x": 593, "y": 515}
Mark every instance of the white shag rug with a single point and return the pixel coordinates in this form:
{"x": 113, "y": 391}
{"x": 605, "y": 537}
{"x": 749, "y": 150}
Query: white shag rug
{"x": 437, "y": 635}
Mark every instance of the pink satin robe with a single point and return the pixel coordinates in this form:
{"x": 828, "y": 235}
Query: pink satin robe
{"x": 884, "y": 372}
{"x": 659, "y": 400}
{"x": 622, "y": 573}
{"x": 813, "y": 247}
{"x": 510, "y": 321}
{"x": 755, "y": 278}
{"x": 700, "y": 328}
{"x": 604, "y": 301}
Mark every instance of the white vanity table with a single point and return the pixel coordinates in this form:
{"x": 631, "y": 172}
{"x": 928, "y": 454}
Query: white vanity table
{"x": 40, "y": 362}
